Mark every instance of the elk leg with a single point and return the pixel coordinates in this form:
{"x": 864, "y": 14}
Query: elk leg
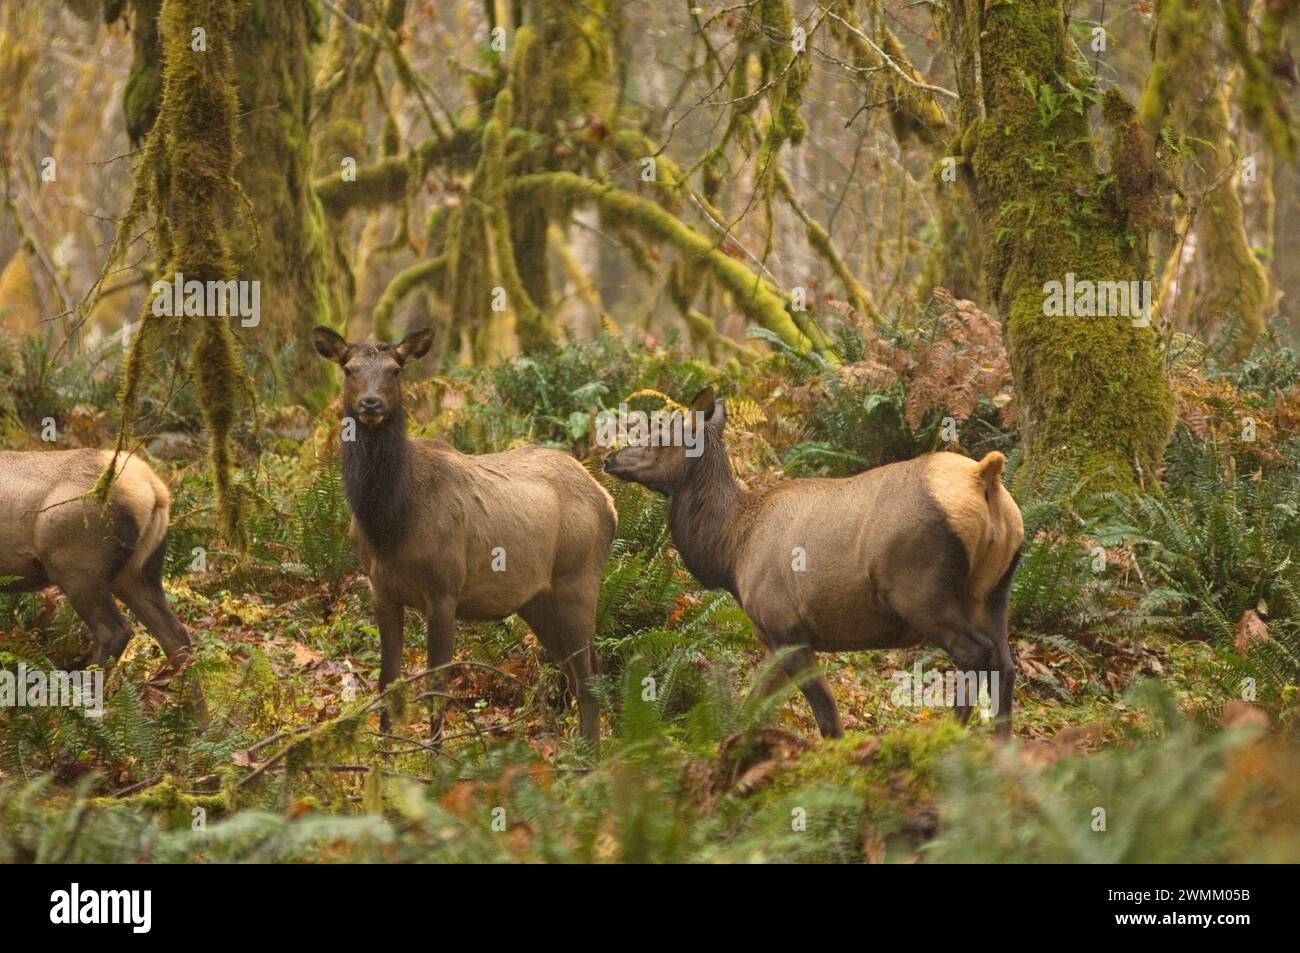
{"x": 389, "y": 618}
{"x": 970, "y": 651}
{"x": 816, "y": 688}
{"x": 94, "y": 603}
{"x": 1006, "y": 688}
{"x": 440, "y": 640}
{"x": 997, "y": 608}
{"x": 146, "y": 599}
{"x": 567, "y": 629}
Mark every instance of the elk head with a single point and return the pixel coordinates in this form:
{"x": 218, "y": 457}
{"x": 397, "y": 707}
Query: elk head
{"x": 372, "y": 373}
{"x": 662, "y": 462}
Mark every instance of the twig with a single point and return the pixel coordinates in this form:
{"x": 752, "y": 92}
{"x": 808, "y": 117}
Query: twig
{"x": 138, "y": 786}
{"x": 888, "y": 59}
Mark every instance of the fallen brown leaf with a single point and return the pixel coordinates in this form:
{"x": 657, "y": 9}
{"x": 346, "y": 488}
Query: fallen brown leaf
{"x": 1250, "y": 629}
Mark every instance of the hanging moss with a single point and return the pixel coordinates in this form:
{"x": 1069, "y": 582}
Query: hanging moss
{"x": 142, "y": 95}
{"x": 185, "y": 179}
{"x": 1264, "y": 87}
{"x": 784, "y": 70}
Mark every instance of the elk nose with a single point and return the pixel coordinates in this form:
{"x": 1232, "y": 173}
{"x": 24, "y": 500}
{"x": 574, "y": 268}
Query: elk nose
{"x": 370, "y": 405}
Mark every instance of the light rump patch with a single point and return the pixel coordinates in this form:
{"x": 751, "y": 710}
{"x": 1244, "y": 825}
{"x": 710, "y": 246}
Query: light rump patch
{"x": 979, "y": 511}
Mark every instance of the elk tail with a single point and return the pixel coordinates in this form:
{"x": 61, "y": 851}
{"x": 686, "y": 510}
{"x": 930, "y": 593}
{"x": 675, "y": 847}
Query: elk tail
{"x": 989, "y": 471}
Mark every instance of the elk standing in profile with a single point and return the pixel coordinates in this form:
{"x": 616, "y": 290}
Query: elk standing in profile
{"x": 54, "y": 533}
{"x": 478, "y": 537}
{"x": 915, "y": 552}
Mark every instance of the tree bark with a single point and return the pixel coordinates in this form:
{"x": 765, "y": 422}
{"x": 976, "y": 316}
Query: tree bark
{"x": 1092, "y": 392}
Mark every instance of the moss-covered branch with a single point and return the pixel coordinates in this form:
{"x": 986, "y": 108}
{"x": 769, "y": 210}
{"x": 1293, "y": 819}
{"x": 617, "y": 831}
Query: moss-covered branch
{"x": 914, "y": 109}
{"x": 755, "y": 297}
{"x": 428, "y": 272}
{"x": 820, "y": 241}
{"x": 385, "y": 182}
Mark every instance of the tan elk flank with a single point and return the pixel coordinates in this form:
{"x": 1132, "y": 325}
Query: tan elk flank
{"x": 53, "y": 534}
{"x": 455, "y": 536}
{"x": 915, "y": 552}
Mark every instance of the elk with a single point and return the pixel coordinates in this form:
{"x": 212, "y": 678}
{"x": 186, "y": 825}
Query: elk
{"x": 54, "y": 533}
{"x": 456, "y": 536}
{"x": 915, "y": 552}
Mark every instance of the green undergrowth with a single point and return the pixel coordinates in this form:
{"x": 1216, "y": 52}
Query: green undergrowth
{"x": 1127, "y": 618}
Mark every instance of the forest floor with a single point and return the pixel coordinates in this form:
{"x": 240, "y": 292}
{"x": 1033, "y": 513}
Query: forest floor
{"x": 1131, "y": 743}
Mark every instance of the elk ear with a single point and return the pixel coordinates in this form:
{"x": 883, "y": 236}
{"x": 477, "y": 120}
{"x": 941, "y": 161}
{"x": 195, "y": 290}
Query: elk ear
{"x": 704, "y": 403}
{"x": 329, "y": 344}
{"x": 415, "y": 345}
{"x": 718, "y": 419}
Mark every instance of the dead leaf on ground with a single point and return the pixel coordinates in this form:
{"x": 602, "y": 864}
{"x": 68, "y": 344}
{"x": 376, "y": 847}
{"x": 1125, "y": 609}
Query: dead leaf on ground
{"x": 304, "y": 655}
{"x": 1250, "y": 630}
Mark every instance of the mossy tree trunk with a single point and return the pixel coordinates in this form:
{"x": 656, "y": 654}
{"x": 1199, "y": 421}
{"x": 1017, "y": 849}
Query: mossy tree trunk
{"x": 288, "y": 252}
{"x": 284, "y": 246}
{"x": 1214, "y": 286}
{"x": 1092, "y": 391}
{"x": 185, "y": 183}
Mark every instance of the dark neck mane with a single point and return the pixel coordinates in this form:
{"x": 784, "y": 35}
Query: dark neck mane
{"x": 702, "y": 515}
{"x": 377, "y": 480}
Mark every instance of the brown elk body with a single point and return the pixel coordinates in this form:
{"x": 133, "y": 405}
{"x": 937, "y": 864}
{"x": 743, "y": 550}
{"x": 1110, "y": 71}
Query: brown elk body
{"x": 915, "y": 552}
{"x": 472, "y": 537}
{"x": 53, "y": 534}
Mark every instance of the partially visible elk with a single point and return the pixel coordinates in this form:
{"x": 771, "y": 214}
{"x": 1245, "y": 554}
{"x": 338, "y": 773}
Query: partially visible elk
{"x": 54, "y": 533}
{"x": 921, "y": 551}
{"x": 477, "y": 537}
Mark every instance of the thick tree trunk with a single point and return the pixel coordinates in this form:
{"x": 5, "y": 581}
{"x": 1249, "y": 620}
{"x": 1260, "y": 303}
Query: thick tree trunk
{"x": 274, "y": 39}
{"x": 1092, "y": 391}
{"x": 1214, "y": 286}
{"x": 286, "y": 251}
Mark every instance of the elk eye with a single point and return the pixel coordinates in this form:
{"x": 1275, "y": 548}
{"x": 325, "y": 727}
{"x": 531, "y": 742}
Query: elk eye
{"x": 347, "y": 372}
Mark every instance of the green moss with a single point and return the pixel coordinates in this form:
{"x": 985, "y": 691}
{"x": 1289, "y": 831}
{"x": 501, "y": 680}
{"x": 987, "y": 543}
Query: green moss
{"x": 143, "y": 93}
{"x": 1092, "y": 392}
{"x": 754, "y": 296}
{"x": 174, "y": 807}
{"x": 1225, "y": 293}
